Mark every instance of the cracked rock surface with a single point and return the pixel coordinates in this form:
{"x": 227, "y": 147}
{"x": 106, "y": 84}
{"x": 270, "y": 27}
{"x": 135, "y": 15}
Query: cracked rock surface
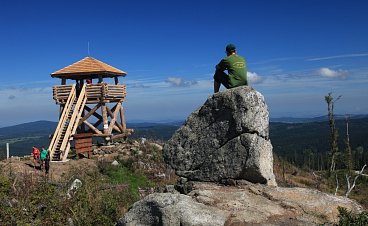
{"x": 226, "y": 138}
{"x": 210, "y": 204}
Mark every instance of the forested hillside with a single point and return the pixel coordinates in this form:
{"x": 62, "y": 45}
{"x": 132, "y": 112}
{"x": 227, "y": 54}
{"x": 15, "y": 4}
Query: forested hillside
{"x": 304, "y": 144}
{"x": 308, "y": 143}
{"x": 22, "y": 137}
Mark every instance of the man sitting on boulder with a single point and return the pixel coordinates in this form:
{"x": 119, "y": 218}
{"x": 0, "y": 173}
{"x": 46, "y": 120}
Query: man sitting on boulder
{"x": 236, "y": 68}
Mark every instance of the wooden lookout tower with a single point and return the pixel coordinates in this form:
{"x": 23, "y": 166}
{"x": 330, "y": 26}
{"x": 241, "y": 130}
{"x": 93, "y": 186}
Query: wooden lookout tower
{"x": 87, "y": 94}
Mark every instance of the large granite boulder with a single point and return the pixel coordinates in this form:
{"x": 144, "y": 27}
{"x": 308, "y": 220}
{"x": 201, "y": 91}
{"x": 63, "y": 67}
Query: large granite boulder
{"x": 226, "y": 138}
{"x": 210, "y": 204}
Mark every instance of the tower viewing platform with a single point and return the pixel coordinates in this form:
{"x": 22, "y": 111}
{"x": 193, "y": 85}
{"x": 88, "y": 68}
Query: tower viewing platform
{"x": 89, "y": 105}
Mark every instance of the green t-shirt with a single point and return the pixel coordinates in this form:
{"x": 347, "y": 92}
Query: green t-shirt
{"x": 237, "y": 70}
{"x": 43, "y": 154}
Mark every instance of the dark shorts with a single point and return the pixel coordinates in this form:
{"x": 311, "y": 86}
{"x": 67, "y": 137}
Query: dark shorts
{"x": 222, "y": 77}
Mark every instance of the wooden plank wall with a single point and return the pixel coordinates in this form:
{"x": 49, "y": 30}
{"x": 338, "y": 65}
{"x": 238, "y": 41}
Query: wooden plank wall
{"x": 100, "y": 92}
{"x": 83, "y": 143}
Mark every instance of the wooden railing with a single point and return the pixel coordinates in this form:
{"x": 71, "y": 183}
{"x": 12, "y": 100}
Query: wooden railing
{"x": 62, "y": 125}
{"x": 68, "y": 123}
{"x": 95, "y": 93}
{"x": 61, "y": 93}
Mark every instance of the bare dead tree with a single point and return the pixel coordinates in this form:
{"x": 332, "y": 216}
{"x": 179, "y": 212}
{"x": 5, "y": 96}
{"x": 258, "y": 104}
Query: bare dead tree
{"x": 337, "y": 184}
{"x": 14, "y": 185}
{"x": 333, "y": 130}
{"x": 349, "y": 161}
{"x": 349, "y": 187}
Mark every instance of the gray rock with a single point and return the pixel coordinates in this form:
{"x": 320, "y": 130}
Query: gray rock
{"x": 183, "y": 185}
{"x": 170, "y": 189}
{"x": 226, "y": 138}
{"x": 160, "y": 175}
{"x": 74, "y": 187}
{"x": 171, "y": 209}
{"x": 70, "y": 222}
{"x": 251, "y": 204}
{"x": 115, "y": 163}
{"x": 143, "y": 140}
{"x": 156, "y": 146}
{"x": 14, "y": 201}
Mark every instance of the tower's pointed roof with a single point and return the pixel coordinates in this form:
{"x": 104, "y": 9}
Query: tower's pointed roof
{"x": 88, "y": 67}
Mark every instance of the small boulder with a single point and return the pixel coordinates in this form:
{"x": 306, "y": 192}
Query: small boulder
{"x": 156, "y": 146}
{"x": 74, "y": 187}
{"x": 171, "y": 209}
{"x": 115, "y": 163}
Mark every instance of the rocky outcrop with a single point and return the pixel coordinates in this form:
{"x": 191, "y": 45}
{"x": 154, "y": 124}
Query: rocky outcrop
{"x": 226, "y": 138}
{"x": 244, "y": 204}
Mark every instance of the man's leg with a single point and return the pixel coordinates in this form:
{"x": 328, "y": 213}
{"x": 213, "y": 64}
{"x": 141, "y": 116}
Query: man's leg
{"x": 219, "y": 77}
{"x": 216, "y": 86}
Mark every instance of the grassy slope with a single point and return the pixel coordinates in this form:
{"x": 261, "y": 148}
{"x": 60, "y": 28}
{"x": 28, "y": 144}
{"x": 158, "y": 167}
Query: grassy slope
{"x": 105, "y": 195}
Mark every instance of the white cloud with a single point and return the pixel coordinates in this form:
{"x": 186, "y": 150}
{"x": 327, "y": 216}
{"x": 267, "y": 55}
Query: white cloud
{"x": 179, "y": 82}
{"x": 254, "y": 78}
{"x": 139, "y": 86}
{"x": 330, "y": 73}
{"x": 339, "y": 56}
{"x": 175, "y": 81}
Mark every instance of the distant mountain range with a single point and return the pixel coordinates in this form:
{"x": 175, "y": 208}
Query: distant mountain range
{"x": 314, "y": 119}
{"x": 22, "y": 137}
{"x": 288, "y": 135}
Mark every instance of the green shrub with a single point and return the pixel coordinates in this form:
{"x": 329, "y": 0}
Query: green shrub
{"x": 122, "y": 175}
{"x": 347, "y": 218}
{"x": 127, "y": 163}
{"x": 105, "y": 194}
{"x": 96, "y": 202}
{"x": 5, "y": 186}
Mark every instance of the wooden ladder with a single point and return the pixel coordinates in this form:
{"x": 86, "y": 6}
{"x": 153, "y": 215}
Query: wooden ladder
{"x": 67, "y": 126}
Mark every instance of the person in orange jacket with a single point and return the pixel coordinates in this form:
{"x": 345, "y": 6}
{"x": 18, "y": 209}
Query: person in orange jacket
{"x": 36, "y": 155}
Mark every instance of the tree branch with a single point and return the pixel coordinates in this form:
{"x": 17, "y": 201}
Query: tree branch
{"x": 337, "y": 184}
{"x": 349, "y": 189}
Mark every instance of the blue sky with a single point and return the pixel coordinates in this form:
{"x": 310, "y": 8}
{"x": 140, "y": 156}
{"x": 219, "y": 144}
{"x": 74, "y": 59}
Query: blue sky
{"x": 296, "y": 53}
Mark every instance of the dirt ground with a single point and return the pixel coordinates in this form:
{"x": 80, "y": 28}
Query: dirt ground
{"x": 57, "y": 169}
